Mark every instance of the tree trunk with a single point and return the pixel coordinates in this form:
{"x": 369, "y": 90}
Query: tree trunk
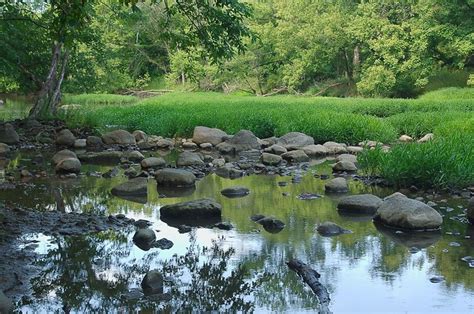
{"x": 50, "y": 93}
{"x": 356, "y": 62}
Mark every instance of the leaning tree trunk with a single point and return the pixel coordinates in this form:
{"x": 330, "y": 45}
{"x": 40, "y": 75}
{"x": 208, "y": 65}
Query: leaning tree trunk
{"x": 50, "y": 93}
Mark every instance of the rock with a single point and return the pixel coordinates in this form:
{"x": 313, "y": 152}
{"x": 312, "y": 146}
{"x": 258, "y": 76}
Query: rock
{"x": 184, "y": 228}
{"x": 271, "y": 159}
{"x": 205, "y": 145}
{"x": 152, "y": 283}
{"x": 336, "y": 185}
{"x": 270, "y": 224}
{"x": 186, "y": 159}
{"x": 25, "y": 174}
{"x": 101, "y": 157}
{"x": 4, "y": 149}
{"x": 111, "y": 173}
{"x": 308, "y": 196}
{"x": 94, "y": 141}
{"x": 400, "y": 211}
{"x": 153, "y": 162}
{"x": 428, "y": 137}
{"x": 224, "y": 226}
{"x": 164, "y": 143}
{"x": 189, "y": 145}
{"x": 295, "y": 140}
{"x": 316, "y": 150}
{"x": 133, "y": 187}
{"x": 163, "y": 244}
{"x": 218, "y": 162}
{"x": 6, "y": 305}
{"x": 276, "y": 149}
{"x": 370, "y": 144}
{"x": 470, "y": 210}
{"x": 295, "y": 156}
{"x": 243, "y": 140}
{"x": 235, "y": 191}
{"x": 229, "y": 171}
{"x": 354, "y": 149}
{"x": 65, "y": 138}
{"x": 144, "y": 238}
{"x": 68, "y": 165}
{"x": 405, "y": 138}
{"x": 134, "y": 156}
{"x": 175, "y": 178}
{"x": 120, "y": 137}
{"x": 140, "y": 136}
{"x": 8, "y": 134}
{"x": 63, "y": 154}
{"x": 347, "y": 157}
{"x": 80, "y": 143}
{"x": 335, "y": 148}
{"x": 204, "y": 134}
{"x": 344, "y": 165}
{"x": 436, "y": 279}
{"x": 203, "y": 208}
{"x": 360, "y": 204}
{"x": 329, "y": 229}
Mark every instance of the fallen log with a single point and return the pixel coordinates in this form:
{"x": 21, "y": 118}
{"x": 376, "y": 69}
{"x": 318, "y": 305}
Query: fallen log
{"x": 311, "y": 278}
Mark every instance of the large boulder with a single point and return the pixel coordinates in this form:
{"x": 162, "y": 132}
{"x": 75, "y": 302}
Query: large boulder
{"x": 175, "y": 178}
{"x": 400, "y": 211}
{"x": 470, "y": 211}
{"x": 316, "y": 150}
{"x": 235, "y": 191}
{"x": 120, "y": 137}
{"x": 344, "y": 165}
{"x": 243, "y": 140}
{"x": 295, "y": 140}
{"x": 6, "y": 304}
{"x": 186, "y": 159}
{"x": 271, "y": 159}
{"x": 63, "y": 154}
{"x": 133, "y": 187}
{"x": 8, "y": 134}
{"x": 336, "y": 185}
{"x": 360, "y": 204}
{"x": 347, "y": 157}
{"x": 330, "y": 229}
{"x": 204, "y": 134}
{"x": 203, "y": 208}
{"x": 4, "y": 149}
{"x": 65, "y": 138}
{"x": 295, "y": 156}
{"x": 153, "y": 162}
{"x": 152, "y": 283}
{"x": 144, "y": 238}
{"x": 68, "y": 165}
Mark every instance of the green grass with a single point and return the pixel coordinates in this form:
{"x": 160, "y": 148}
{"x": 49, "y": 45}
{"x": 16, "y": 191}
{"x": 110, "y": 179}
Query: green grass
{"x": 449, "y": 93}
{"x": 348, "y": 120}
{"x": 448, "y": 78}
{"x": 98, "y": 99}
{"x": 15, "y": 108}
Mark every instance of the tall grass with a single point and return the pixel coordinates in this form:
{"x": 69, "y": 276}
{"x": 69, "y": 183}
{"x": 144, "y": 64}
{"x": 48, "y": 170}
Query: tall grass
{"x": 98, "y": 99}
{"x": 449, "y": 93}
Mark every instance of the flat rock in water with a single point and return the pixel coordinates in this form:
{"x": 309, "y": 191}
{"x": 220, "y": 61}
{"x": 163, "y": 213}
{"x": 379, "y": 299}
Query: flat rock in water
{"x": 203, "y": 208}
{"x": 295, "y": 156}
{"x": 133, "y": 187}
{"x": 308, "y": 196}
{"x": 336, "y": 185}
{"x": 295, "y": 140}
{"x": 235, "y": 191}
{"x": 400, "y": 211}
{"x": 360, "y": 204}
{"x": 224, "y": 226}
{"x": 271, "y": 159}
{"x": 329, "y": 229}
{"x": 175, "y": 178}
{"x": 153, "y": 162}
{"x": 186, "y": 159}
{"x": 437, "y": 279}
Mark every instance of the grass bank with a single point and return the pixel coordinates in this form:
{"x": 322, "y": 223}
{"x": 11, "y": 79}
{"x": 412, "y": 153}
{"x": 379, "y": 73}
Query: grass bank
{"x": 348, "y": 120}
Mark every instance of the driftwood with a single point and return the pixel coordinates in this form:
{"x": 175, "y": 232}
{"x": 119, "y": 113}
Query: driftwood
{"x": 311, "y": 278}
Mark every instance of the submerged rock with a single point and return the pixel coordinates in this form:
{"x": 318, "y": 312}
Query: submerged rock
{"x": 360, "y": 204}
{"x": 437, "y": 279}
{"x": 336, "y": 185}
{"x": 295, "y": 140}
{"x": 329, "y": 229}
{"x": 152, "y": 283}
{"x": 133, "y": 187}
{"x": 397, "y": 210}
{"x": 175, "y": 178}
{"x": 8, "y": 134}
{"x": 235, "y": 191}
{"x": 120, "y": 137}
{"x": 270, "y": 224}
{"x": 204, "y": 134}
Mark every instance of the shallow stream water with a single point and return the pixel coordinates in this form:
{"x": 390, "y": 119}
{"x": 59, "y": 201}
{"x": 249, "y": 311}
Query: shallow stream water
{"x": 370, "y": 270}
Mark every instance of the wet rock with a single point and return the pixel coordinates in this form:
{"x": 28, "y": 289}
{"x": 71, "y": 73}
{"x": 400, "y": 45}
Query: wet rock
{"x": 205, "y": 145}
{"x": 344, "y": 165}
{"x": 224, "y": 226}
{"x": 405, "y": 138}
{"x": 80, "y": 143}
{"x": 144, "y": 238}
{"x": 65, "y": 138}
{"x": 163, "y": 244}
{"x": 140, "y": 136}
{"x": 153, "y": 162}
{"x": 8, "y": 134}
{"x": 204, "y": 134}
{"x": 235, "y": 191}
{"x": 428, "y": 137}
{"x": 271, "y": 159}
{"x": 295, "y": 140}
{"x": 437, "y": 279}
{"x": 316, "y": 150}
{"x": 4, "y": 149}
{"x": 6, "y": 305}
{"x": 308, "y": 196}
{"x": 360, "y": 204}
{"x": 400, "y": 211}
{"x": 469, "y": 260}
{"x": 335, "y": 148}
{"x": 470, "y": 211}
{"x": 336, "y": 185}
{"x": 184, "y": 228}
{"x": 203, "y": 208}
{"x": 152, "y": 283}
{"x": 120, "y": 137}
{"x": 276, "y": 149}
{"x": 229, "y": 171}
{"x": 186, "y": 159}
{"x": 243, "y": 140}
{"x": 256, "y": 217}
{"x": 142, "y": 223}
{"x": 295, "y": 156}
{"x": 63, "y": 154}
{"x": 68, "y": 165}
{"x": 329, "y": 229}
{"x": 347, "y": 157}
{"x": 270, "y": 224}
{"x": 175, "y": 178}
{"x": 94, "y": 141}
{"x": 133, "y": 187}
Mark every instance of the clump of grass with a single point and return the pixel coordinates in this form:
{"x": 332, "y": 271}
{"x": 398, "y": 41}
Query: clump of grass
{"x": 98, "y": 99}
{"x": 450, "y": 93}
{"x": 444, "y": 163}
{"x": 15, "y": 108}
